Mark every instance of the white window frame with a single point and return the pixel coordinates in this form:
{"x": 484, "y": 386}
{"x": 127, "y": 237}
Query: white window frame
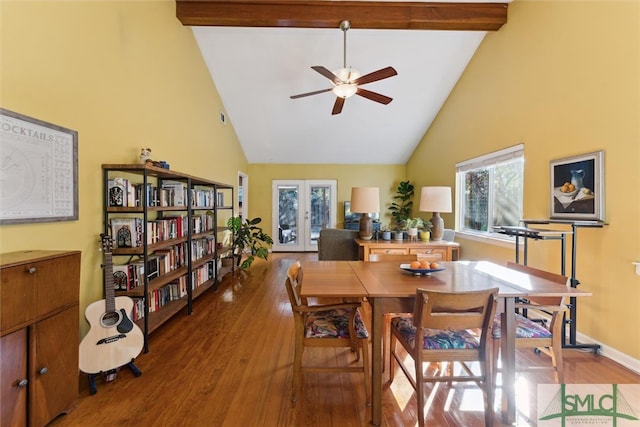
{"x": 487, "y": 160}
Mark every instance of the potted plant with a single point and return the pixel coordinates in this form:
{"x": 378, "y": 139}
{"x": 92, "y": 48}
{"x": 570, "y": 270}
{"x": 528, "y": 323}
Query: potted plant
{"x": 249, "y": 237}
{"x": 386, "y": 234}
{"x": 401, "y": 208}
{"x": 412, "y": 225}
{"x": 425, "y": 231}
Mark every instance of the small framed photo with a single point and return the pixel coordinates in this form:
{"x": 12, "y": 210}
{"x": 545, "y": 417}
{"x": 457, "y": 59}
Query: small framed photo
{"x": 577, "y": 187}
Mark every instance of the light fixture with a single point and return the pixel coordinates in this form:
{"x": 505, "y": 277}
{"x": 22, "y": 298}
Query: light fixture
{"x": 346, "y": 88}
{"x": 365, "y": 200}
{"x": 436, "y": 200}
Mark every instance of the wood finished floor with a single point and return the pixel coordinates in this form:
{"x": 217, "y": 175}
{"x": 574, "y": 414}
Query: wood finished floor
{"x": 230, "y": 364}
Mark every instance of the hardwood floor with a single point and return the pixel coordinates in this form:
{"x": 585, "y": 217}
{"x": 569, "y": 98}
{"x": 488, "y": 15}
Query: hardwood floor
{"x": 230, "y": 364}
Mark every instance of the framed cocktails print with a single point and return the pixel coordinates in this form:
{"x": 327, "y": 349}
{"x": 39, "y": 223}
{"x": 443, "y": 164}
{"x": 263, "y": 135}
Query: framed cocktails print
{"x": 38, "y": 170}
{"x": 577, "y": 187}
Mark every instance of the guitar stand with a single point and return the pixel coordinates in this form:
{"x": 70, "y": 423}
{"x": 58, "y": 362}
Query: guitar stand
{"x": 111, "y": 375}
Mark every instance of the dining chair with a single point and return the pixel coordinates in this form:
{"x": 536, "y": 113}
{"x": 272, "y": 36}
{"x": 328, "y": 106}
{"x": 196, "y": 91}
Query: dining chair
{"x": 542, "y": 328}
{"x": 326, "y": 325}
{"x": 447, "y": 327}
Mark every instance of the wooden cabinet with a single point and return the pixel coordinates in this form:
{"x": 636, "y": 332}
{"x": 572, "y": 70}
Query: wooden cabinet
{"x": 433, "y": 251}
{"x": 38, "y": 335}
{"x": 173, "y": 254}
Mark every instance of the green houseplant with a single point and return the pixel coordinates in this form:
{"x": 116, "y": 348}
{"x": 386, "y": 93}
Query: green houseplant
{"x": 248, "y": 236}
{"x": 401, "y": 207}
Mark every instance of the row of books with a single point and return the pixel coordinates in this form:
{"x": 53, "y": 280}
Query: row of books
{"x": 160, "y": 297}
{"x": 127, "y": 277}
{"x": 123, "y": 193}
{"x": 202, "y": 274}
{"x": 127, "y": 232}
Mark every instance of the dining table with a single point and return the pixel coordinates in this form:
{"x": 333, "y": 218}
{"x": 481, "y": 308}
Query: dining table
{"x": 390, "y": 288}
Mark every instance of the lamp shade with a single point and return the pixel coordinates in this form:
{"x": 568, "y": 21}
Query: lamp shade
{"x": 435, "y": 199}
{"x": 365, "y": 200}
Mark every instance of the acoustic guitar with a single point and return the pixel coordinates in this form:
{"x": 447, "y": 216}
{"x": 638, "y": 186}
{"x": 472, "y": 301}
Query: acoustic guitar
{"x": 113, "y": 339}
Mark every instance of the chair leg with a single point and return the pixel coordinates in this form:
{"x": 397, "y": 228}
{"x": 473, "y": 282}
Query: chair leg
{"x": 488, "y": 388}
{"x": 392, "y": 359}
{"x": 385, "y": 341}
{"x": 556, "y": 360}
{"x": 420, "y": 391}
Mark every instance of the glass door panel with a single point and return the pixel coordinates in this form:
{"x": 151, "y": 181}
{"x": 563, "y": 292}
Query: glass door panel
{"x": 301, "y": 210}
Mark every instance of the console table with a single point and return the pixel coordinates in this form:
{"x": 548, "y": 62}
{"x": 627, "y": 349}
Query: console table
{"x": 441, "y": 250}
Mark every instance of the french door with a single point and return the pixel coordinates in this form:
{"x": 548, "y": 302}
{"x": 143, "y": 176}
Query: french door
{"x": 300, "y": 210}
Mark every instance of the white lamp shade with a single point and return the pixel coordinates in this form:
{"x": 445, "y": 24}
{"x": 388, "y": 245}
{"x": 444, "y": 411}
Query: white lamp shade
{"x": 365, "y": 200}
{"x": 435, "y": 199}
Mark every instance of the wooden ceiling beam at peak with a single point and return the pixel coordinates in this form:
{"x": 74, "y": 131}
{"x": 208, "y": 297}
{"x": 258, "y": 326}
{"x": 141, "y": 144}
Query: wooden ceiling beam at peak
{"x": 329, "y": 14}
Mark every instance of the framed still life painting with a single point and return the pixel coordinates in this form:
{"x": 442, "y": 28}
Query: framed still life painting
{"x": 577, "y": 187}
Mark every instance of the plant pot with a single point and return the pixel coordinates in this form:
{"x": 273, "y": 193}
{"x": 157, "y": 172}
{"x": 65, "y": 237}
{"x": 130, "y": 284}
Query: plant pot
{"x": 398, "y": 235}
{"x": 386, "y": 235}
{"x": 425, "y": 236}
{"x": 413, "y": 232}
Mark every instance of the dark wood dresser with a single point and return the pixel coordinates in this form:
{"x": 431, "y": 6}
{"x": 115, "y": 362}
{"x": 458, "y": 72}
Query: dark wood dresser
{"x": 39, "y": 335}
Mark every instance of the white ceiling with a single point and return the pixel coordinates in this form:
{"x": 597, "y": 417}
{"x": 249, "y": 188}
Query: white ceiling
{"x": 256, "y": 70}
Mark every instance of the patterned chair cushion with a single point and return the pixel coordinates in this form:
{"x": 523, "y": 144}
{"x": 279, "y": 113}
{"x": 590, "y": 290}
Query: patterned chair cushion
{"x": 525, "y": 328}
{"x": 333, "y": 324}
{"x": 435, "y": 338}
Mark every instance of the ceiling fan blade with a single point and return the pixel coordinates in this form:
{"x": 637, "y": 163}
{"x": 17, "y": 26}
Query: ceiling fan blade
{"x": 328, "y": 74}
{"x": 302, "y": 95}
{"x": 382, "y": 73}
{"x": 337, "y": 107}
{"x": 374, "y": 96}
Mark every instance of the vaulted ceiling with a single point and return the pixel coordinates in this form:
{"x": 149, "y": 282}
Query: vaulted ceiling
{"x": 259, "y": 53}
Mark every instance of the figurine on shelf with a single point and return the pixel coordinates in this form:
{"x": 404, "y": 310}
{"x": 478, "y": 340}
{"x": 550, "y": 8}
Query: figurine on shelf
{"x": 145, "y": 155}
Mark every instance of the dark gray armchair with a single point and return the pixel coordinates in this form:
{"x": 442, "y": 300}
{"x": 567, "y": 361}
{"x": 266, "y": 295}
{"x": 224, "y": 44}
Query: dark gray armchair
{"x": 337, "y": 244}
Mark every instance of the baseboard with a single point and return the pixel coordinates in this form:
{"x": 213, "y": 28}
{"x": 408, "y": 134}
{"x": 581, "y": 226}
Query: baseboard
{"x": 611, "y": 353}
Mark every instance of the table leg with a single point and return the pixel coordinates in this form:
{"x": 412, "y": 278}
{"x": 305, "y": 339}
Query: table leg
{"x": 376, "y": 360}
{"x": 508, "y": 349}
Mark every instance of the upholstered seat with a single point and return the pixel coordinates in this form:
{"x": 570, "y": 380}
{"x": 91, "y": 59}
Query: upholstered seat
{"x": 333, "y": 324}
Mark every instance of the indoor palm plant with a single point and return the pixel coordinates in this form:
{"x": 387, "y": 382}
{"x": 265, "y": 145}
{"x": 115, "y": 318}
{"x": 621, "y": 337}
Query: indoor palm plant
{"x": 250, "y": 238}
{"x": 401, "y": 207}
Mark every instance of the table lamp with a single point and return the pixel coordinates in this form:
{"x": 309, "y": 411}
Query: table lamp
{"x": 436, "y": 200}
{"x": 365, "y": 200}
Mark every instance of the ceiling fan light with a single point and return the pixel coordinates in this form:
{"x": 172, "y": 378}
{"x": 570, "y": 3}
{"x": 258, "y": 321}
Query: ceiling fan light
{"x": 347, "y": 74}
{"x": 345, "y": 90}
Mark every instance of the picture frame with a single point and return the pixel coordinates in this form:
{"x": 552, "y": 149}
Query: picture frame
{"x": 38, "y": 170}
{"x": 577, "y": 187}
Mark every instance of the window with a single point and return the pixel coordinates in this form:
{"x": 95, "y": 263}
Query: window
{"x": 489, "y": 190}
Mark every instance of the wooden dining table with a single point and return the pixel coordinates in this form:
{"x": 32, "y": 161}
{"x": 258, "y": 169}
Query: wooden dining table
{"x": 390, "y": 289}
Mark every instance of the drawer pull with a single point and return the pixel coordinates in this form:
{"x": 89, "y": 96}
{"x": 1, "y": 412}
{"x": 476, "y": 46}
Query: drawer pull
{"x": 23, "y": 383}
{"x": 31, "y": 270}
{"x": 43, "y": 370}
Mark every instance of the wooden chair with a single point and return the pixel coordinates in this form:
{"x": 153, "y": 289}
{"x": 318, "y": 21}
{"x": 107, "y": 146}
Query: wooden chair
{"x": 326, "y": 325}
{"x": 535, "y": 334}
{"x": 447, "y": 327}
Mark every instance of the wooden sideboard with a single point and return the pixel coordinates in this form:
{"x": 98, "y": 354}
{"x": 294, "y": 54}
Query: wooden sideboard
{"x": 441, "y": 250}
{"x": 39, "y": 335}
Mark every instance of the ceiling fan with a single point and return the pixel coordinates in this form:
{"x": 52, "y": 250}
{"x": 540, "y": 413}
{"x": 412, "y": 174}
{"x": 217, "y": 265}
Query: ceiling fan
{"x": 347, "y": 81}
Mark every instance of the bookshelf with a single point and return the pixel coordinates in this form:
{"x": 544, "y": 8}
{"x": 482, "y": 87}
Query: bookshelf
{"x": 168, "y": 230}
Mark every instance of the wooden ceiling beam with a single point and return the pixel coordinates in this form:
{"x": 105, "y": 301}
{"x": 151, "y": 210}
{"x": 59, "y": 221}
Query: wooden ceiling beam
{"x": 329, "y": 14}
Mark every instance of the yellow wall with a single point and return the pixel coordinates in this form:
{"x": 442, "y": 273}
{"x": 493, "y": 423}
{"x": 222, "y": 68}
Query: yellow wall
{"x": 386, "y": 177}
{"x": 125, "y": 75}
{"x": 562, "y": 77}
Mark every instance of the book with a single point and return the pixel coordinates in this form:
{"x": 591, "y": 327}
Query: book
{"x": 117, "y": 192}
{"x": 121, "y": 277}
{"x": 125, "y": 232}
